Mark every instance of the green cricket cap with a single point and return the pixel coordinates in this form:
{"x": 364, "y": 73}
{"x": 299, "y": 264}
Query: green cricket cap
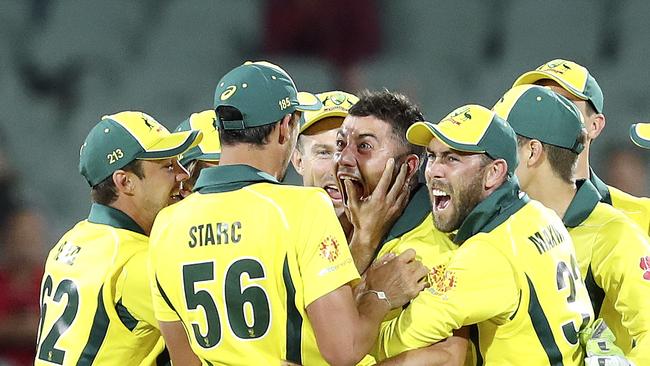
{"x": 209, "y": 149}
{"x": 537, "y": 112}
{"x": 335, "y": 104}
{"x": 470, "y": 128}
{"x": 571, "y": 76}
{"x": 262, "y": 92}
{"x": 118, "y": 139}
{"x": 640, "y": 134}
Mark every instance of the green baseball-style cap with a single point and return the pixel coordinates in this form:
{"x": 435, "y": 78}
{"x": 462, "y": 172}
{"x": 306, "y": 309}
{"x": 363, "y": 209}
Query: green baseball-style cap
{"x": 573, "y": 77}
{"x": 120, "y": 138}
{"x": 209, "y": 149}
{"x": 335, "y": 104}
{"x": 537, "y": 112}
{"x": 262, "y": 92}
{"x": 640, "y": 134}
{"x": 470, "y": 128}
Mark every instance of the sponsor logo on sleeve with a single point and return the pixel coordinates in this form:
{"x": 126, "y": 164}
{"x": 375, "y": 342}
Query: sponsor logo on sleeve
{"x": 645, "y": 266}
{"x": 329, "y": 249}
{"x": 441, "y": 280}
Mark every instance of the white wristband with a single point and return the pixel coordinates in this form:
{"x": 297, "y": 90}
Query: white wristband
{"x": 381, "y": 295}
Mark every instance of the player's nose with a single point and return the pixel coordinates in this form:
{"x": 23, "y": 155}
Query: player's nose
{"x": 346, "y": 156}
{"x": 181, "y": 173}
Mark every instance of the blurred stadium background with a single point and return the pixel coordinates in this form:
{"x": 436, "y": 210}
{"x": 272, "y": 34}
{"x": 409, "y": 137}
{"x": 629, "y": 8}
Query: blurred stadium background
{"x": 65, "y": 63}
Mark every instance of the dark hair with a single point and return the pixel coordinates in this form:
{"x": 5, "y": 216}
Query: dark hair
{"x": 563, "y": 161}
{"x": 105, "y": 191}
{"x": 258, "y": 136}
{"x": 393, "y": 108}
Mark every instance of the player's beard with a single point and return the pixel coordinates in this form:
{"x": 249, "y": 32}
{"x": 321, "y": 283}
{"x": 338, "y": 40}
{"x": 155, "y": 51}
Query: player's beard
{"x": 463, "y": 201}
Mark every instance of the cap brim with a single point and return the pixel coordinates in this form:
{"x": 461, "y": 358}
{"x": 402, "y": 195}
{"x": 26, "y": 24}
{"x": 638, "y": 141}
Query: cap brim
{"x": 640, "y": 134}
{"x": 319, "y": 117}
{"x": 533, "y": 76}
{"x": 421, "y": 133}
{"x": 212, "y": 158}
{"x": 172, "y": 145}
{"x": 308, "y": 102}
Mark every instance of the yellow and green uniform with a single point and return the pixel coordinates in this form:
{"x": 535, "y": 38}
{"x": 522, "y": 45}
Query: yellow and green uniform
{"x": 515, "y": 276}
{"x": 96, "y": 307}
{"x": 414, "y": 229}
{"x": 636, "y": 208}
{"x": 240, "y": 259}
{"x": 614, "y": 259}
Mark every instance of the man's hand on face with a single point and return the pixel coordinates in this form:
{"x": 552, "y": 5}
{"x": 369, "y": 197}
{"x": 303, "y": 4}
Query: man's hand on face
{"x": 374, "y": 215}
{"x": 400, "y": 278}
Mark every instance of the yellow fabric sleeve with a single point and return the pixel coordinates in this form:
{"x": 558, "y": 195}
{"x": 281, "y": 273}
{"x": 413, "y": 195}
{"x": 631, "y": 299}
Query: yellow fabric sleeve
{"x": 477, "y": 284}
{"x": 323, "y": 255}
{"x": 135, "y": 290}
{"x": 617, "y": 266}
{"x": 162, "y": 310}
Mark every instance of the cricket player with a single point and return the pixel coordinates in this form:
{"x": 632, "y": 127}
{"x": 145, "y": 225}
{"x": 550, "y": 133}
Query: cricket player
{"x": 574, "y": 82}
{"x": 260, "y": 272}
{"x": 376, "y": 215}
{"x": 514, "y": 273}
{"x": 313, "y": 157}
{"x": 640, "y": 134}
{"x": 206, "y": 154}
{"x": 96, "y": 306}
{"x": 609, "y": 246}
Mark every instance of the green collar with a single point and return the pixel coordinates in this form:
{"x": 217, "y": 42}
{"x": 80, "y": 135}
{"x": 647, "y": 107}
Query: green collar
{"x": 601, "y": 187}
{"x": 226, "y": 178}
{"x": 582, "y": 204}
{"x": 492, "y": 211}
{"x": 106, "y": 215}
{"x": 416, "y": 211}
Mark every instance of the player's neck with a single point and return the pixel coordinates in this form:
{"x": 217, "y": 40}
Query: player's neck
{"x": 582, "y": 167}
{"x": 131, "y": 209}
{"x": 553, "y": 193}
{"x": 263, "y": 158}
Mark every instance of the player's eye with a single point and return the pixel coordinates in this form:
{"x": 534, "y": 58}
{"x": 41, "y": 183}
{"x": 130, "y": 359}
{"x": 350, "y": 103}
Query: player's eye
{"x": 452, "y": 158}
{"x": 340, "y": 144}
{"x": 365, "y": 146}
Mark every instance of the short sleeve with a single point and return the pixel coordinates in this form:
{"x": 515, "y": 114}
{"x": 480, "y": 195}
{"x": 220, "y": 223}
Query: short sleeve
{"x": 323, "y": 255}
{"x": 162, "y": 307}
{"x": 621, "y": 266}
{"x": 135, "y": 290}
{"x": 477, "y": 284}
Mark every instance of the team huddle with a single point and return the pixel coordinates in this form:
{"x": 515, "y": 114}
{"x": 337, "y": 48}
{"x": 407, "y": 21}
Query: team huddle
{"x": 482, "y": 239}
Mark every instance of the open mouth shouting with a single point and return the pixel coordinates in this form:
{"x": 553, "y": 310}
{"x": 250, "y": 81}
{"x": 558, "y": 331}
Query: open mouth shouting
{"x": 333, "y": 191}
{"x": 357, "y": 183}
{"x": 440, "y": 199}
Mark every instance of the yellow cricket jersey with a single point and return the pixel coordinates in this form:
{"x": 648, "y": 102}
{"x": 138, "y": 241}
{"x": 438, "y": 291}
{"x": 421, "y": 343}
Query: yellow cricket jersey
{"x": 414, "y": 229}
{"x": 96, "y": 307}
{"x": 515, "y": 276}
{"x": 239, "y": 260}
{"x": 636, "y": 208}
{"x": 614, "y": 259}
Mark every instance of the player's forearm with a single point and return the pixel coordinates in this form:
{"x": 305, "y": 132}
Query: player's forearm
{"x": 418, "y": 357}
{"x": 372, "y": 312}
{"x": 362, "y": 248}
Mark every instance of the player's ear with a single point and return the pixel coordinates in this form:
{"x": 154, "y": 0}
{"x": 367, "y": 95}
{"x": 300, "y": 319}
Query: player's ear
{"x": 296, "y": 160}
{"x": 412, "y": 165}
{"x": 535, "y": 153}
{"x": 597, "y": 124}
{"x": 496, "y": 173}
{"x": 124, "y": 181}
{"x": 285, "y": 128}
